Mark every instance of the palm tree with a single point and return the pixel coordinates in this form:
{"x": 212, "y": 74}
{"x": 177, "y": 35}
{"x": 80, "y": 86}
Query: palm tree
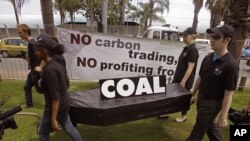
{"x": 161, "y": 6}
{"x": 217, "y": 9}
{"x": 17, "y": 5}
{"x": 197, "y": 7}
{"x": 48, "y": 18}
{"x": 144, "y": 14}
{"x": 58, "y": 5}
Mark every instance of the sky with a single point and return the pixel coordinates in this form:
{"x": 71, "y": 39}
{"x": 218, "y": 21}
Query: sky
{"x": 180, "y": 14}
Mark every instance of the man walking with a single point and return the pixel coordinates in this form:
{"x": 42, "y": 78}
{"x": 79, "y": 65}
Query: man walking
{"x": 216, "y": 83}
{"x": 24, "y": 32}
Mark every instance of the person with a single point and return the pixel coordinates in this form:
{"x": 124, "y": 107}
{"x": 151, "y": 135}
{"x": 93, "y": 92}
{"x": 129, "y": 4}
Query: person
{"x": 216, "y": 83}
{"x": 54, "y": 85}
{"x": 24, "y": 32}
{"x": 186, "y": 67}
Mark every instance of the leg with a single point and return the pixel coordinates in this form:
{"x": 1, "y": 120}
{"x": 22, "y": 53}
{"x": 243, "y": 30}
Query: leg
{"x": 207, "y": 111}
{"x": 183, "y": 117}
{"x": 213, "y": 133}
{"x": 28, "y": 90}
{"x": 44, "y": 129}
{"x": 68, "y": 127}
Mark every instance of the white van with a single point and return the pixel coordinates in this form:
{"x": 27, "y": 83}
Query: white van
{"x": 162, "y": 32}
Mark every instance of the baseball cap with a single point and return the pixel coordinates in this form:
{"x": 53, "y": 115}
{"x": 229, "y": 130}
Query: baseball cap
{"x": 45, "y": 41}
{"x": 188, "y": 31}
{"x": 223, "y": 29}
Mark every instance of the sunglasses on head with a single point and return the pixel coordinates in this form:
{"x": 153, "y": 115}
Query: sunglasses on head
{"x": 216, "y": 37}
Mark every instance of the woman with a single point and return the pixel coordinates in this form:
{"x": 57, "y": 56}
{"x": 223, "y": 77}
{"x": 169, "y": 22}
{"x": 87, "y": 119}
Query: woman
{"x": 54, "y": 84}
{"x": 186, "y": 67}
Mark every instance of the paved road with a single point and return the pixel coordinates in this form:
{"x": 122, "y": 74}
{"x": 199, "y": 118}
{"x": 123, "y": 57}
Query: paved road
{"x": 16, "y": 68}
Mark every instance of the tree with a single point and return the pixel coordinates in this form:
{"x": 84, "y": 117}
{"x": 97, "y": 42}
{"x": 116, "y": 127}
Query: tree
{"x": 217, "y": 9}
{"x": 144, "y": 14}
{"x": 17, "y": 5}
{"x": 197, "y": 7}
{"x": 58, "y": 5}
{"x": 161, "y": 5}
{"x": 47, "y": 15}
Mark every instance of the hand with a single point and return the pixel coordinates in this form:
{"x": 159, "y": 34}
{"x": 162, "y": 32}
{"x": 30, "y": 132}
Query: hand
{"x": 222, "y": 123}
{"x": 55, "y": 126}
{"x": 193, "y": 100}
{"x": 38, "y": 68}
{"x": 246, "y": 108}
{"x": 182, "y": 84}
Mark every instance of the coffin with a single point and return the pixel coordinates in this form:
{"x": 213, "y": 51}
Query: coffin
{"x": 88, "y": 108}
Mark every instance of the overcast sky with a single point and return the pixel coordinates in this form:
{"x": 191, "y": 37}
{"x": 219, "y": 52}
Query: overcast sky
{"x": 180, "y": 14}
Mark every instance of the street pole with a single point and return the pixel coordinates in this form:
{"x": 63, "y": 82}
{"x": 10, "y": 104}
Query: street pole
{"x": 105, "y": 15}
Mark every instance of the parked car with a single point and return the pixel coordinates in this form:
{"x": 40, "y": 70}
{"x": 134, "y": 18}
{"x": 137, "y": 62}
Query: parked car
{"x": 246, "y": 53}
{"x": 13, "y": 47}
{"x": 164, "y": 32}
{"x": 203, "y": 44}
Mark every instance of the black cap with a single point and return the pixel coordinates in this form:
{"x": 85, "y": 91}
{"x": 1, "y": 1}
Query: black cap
{"x": 223, "y": 29}
{"x": 46, "y": 41}
{"x": 188, "y": 31}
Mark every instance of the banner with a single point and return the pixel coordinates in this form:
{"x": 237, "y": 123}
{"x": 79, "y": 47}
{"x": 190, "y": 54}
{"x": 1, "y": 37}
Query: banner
{"x": 94, "y": 56}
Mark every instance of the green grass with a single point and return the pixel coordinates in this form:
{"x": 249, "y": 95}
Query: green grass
{"x": 151, "y": 129}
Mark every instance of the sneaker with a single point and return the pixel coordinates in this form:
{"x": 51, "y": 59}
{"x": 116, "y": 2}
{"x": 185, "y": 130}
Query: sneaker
{"x": 181, "y": 119}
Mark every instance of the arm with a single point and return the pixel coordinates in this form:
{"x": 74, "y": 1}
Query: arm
{"x": 55, "y": 108}
{"x": 187, "y": 74}
{"x": 40, "y": 67}
{"x": 222, "y": 121}
{"x": 196, "y": 85}
{"x": 195, "y": 89}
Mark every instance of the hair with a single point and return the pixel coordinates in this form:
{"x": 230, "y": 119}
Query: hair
{"x": 227, "y": 36}
{"x": 59, "y": 49}
{"x": 25, "y": 28}
{"x": 195, "y": 36}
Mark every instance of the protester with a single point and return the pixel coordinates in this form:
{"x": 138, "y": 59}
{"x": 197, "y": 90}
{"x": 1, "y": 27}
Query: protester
{"x": 54, "y": 84}
{"x": 24, "y": 32}
{"x": 186, "y": 67}
{"x": 216, "y": 83}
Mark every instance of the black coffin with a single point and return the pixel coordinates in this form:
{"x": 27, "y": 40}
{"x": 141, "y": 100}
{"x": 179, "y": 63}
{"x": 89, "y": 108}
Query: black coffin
{"x": 88, "y": 108}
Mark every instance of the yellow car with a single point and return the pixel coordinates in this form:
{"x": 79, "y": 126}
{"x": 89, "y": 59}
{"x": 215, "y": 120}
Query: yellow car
{"x": 13, "y": 47}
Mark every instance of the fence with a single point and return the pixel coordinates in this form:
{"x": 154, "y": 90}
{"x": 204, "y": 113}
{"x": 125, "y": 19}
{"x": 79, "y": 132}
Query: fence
{"x": 17, "y": 69}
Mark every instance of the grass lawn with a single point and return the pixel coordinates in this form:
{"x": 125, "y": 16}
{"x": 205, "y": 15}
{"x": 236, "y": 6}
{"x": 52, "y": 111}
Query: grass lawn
{"x": 151, "y": 129}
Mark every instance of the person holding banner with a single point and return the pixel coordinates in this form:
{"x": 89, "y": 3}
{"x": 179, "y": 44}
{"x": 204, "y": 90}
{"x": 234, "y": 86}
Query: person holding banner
{"x": 54, "y": 85}
{"x": 216, "y": 83}
{"x": 186, "y": 67}
{"x": 24, "y": 32}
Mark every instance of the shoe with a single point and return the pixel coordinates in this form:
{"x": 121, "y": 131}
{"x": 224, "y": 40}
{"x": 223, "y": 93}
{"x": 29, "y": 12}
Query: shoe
{"x": 163, "y": 117}
{"x": 181, "y": 119}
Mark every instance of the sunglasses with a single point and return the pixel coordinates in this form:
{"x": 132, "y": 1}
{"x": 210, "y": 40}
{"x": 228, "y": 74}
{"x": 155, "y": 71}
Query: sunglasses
{"x": 216, "y": 37}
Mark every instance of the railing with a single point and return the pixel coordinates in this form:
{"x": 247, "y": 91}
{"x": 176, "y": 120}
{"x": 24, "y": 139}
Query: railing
{"x": 17, "y": 69}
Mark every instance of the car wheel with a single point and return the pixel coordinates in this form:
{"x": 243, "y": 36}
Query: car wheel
{"x": 5, "y": 54}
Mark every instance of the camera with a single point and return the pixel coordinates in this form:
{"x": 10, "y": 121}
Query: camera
{"x": 238, "y": 117}
{"x": 6, "y": 119}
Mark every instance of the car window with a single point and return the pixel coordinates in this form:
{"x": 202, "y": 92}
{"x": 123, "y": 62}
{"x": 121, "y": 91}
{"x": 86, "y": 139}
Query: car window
{"x": 202, "y": 42}
{"x": 174, "y": 36}
{"x": 156, "y": 35}
{"x": 22, "y": 42}
{"x": 11, "y": 42}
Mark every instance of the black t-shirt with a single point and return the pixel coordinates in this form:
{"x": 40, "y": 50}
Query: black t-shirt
{"x": 55, "y": 84}
{"x": 218, "y": 76}
{"x": 33, "y": 60}
{"x": 188, "y": 54}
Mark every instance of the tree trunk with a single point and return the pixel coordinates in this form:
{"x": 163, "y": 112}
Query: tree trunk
{"x": 15, "y": 9}
{"x": 47, "y": 14}
{"x": 91, "y": 15}
{"x": 105, "y": 15}
{"x": 122, "y": 15}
